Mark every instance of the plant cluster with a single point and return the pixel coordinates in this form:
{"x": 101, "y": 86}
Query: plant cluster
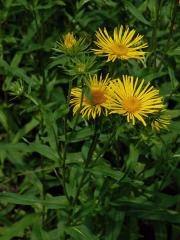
{"x": 89, "y": 120}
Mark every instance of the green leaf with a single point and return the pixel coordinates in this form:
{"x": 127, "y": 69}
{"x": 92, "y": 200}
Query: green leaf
{"x": 167, "y": 201}
{"x": 4, "y": 65}
{"x": 132, "y": 158}
{"x": 37, "y": 232}
{"x": 81, "y": 232}
{"x": 50, "y": 5}
{"x": 75, "y": 173}
{"x": 61, "y": 111}
{"x": 17, "y": 229}
{"x": 144, "y": 209}
{"x": 113, "y": 229}
{"x": 174, "y": 52}
{"x": 59, "y": 202}
{"x": 174, "y": 81}
{"x": 4, "y": 120}
{"x": 106, "y": 170}
{"x": 154, "y": 75}
{"x": 175, "y": 125}
{"x": 26, "y": 129}
{"x": 81, "y": 3}
{"x": 130, "y": 7}
{"x": 173, "y": 113}
{"x": 14, "y": 71}
{"x": 57, "y": 61}
{"x": 74, "y": 158}
{"x": 14, "y": 152}
{"x": 152, "y": 5}
{"x": 51, "y": 128}
{"x": 44, "y": 150}
{"x": 79, "y": 135}
{"x": 16, "y": 60}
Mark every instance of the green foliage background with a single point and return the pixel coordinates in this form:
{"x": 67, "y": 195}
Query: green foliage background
{"x": 129, "y": 189}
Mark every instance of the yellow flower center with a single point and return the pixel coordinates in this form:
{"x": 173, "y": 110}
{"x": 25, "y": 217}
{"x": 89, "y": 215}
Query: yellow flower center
{"x": 96, "y": 98}
{"x": 131, "y": 104}
{"x": 119, "y": 49}
{"x": 69, "y": 40}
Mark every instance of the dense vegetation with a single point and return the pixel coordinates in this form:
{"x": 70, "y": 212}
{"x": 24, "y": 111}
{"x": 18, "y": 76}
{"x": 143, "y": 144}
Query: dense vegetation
{"x": 63, "y": 176}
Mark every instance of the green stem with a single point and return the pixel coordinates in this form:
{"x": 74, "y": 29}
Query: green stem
{"x": 87, "y": 162}
{"x": 106, "y": 145}
{"x": 42, "y": 173}
{"x": 85, "y": 172}
{"x": 43, "y": 191}
{"x": 67, "y": 138}
{"x": 172, "y": 22}
{"x": 154, "y": 32}
{"x": 64, "y": 154}
{"x": 165, "y": 158}
{"x": 78, "y": 113}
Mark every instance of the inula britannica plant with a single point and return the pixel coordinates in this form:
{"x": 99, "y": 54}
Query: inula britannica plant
{"x": 89, "y": 120}
{"x": 128, "y": 97}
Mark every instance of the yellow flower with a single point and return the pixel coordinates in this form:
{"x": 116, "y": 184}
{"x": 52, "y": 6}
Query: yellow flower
{"x": 70, "y": 46}
{"x": 69, "y": 40}
{"x": 124, "y": 45}
{"x": 90, "y": 102}
{"x": 129, "y": 98}
{"x": 161, "y": 122}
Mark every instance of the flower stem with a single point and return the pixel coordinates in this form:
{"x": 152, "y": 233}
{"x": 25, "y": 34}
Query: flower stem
{"x": 88, "y": 160}
{"x": 172, "y": 22}
{"x": 154, "y": 31}
{"x": 85, "y": 171}
{"x": 67, "y": 138}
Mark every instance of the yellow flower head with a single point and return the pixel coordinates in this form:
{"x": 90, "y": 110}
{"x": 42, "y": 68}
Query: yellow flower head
{"x": 123, "y": 45}
{"x": 129, "y": 98}
{"x": 90, "y": 102}
{"x": 69, "y": 40}
{"x": 161, "y": 122}
{"x": 70, "y": 46}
